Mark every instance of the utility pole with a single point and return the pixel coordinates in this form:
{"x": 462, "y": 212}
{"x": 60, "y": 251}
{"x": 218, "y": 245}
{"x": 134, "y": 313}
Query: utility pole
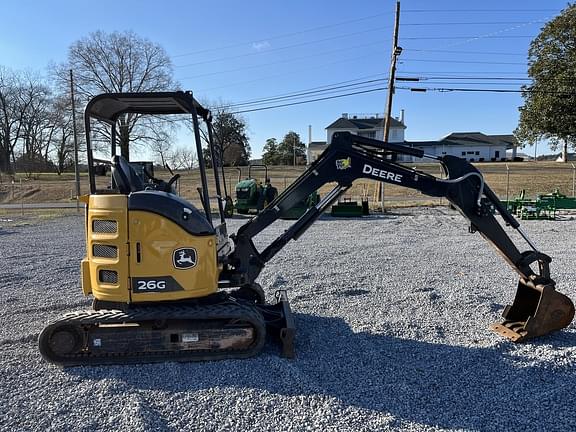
{"x": 76, "y": 168}
{"x": 294, "y": 148}
{"x": 396, "y": 51}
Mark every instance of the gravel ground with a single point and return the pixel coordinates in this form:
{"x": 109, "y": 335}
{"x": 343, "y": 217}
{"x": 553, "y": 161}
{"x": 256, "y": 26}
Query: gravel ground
{"x": 392, "y": 315}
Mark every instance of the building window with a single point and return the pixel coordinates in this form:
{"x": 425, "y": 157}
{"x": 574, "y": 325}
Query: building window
{"x": 477, "y": 153}
{"x": 370, "y": 134}
{"x": 463, "y": 153}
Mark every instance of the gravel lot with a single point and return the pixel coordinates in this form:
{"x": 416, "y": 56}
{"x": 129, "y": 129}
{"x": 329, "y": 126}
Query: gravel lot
{"x": 392, "y": 315}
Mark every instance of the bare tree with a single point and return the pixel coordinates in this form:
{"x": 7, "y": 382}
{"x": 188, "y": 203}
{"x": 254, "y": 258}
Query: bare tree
{"x": 21, "y": 99}
{"x": 8, "y": 120}
{"x": 161, "y": 148}
{"x": 62, "y": 149}
{"x": 120, "y": 62}
{"x": 183, "y": 158}
{"x": 38, "y": 123}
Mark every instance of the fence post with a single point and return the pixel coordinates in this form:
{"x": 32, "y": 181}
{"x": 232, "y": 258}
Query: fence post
{"x": 382, "y": 196}
{"x": 21, "y": 198}
{"x": 441, "y": 176}
{"x": 507, "y": 184}
{"x": 573, "y": 179}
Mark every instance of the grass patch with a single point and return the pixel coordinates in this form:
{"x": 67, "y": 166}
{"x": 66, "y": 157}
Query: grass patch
{"x": 535, "y": 178}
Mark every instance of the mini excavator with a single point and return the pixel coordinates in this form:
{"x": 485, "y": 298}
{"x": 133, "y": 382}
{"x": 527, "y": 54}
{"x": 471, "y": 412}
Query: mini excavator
{"x": 170, "y": 284}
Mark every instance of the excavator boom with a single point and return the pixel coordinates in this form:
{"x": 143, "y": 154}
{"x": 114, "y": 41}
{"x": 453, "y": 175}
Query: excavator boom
{"x": 537, "y": 308}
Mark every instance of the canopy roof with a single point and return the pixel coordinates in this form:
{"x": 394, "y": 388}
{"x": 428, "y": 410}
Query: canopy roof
{"x": 108, "y": 106}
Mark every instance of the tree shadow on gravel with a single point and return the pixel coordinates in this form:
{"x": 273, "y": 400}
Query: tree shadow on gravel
{"x": 433, "y": 384}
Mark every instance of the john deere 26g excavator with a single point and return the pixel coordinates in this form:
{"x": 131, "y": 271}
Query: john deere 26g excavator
{"x": 169, "y": 284}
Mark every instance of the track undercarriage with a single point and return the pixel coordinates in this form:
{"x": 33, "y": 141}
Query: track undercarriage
{"x": 227, "y": 329}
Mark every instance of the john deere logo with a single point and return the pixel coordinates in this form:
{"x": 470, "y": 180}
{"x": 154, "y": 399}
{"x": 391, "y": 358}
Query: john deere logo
{"x": 343, "y": 164}
{"x": 184, "y": 258}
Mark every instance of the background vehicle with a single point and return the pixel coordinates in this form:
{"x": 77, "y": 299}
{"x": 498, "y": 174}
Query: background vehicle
{"x": 252, "y": 194}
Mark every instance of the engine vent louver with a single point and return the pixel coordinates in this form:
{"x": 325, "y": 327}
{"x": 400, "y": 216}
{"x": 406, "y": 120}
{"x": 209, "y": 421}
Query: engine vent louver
{"x": 104, "y": 251}
{"x": 105, "y": 226}
{"x": 108, "y": 276}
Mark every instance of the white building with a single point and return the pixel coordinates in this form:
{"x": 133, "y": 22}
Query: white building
{"x": 472, "y": 146}
{"x": 366, "y": 125}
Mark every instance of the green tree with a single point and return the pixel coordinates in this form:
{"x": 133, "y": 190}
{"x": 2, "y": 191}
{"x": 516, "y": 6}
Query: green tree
{"x": 549, "y": 110}
{"x": 231, "y": 138}
{"x": 270, "y": 155}
{"x": 291, "y": 150}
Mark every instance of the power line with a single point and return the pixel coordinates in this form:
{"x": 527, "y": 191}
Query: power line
{"x": 285, "y": 35}
{"x": 463, "y": 61}
{"x": 465, "y": 52}
{"x": 378, "y": 89}
{"x": 311, "y": 100}
{"x": 428, "y": 24}
{"x": 476, "y": 72}
{"x": 179, "y": 120}
{"x": 498, "y": 34}
{"x": 357, "y": 81}
{"x": 466, "y": 23}
{"x": 363, "y": 83}
{"x": 283, "y": 61}
{"x": 469, "y": 37}
{"x": 462, "y": 78}
{"x": 292, "y": 72}
{"x": 280, "y": 48}
{"x": 478, "y": 10}
{"x": 333, "y": 90}
{"x": 502, "y": 83}
{"x": 484, "y": 90}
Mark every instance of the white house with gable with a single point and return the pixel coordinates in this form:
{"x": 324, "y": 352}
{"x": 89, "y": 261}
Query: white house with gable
{"x": 472, "y": 146}
{"x": 366, "y": 125}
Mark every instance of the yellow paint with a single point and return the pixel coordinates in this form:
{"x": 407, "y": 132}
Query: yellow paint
{"x": 158, "y": 238}
{"x": 113, "y": 208}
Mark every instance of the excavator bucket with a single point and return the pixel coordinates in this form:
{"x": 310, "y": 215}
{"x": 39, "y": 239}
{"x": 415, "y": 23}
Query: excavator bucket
{"x": 535, "y": 312}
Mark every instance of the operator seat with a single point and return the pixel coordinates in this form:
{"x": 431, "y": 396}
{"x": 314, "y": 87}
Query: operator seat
{"x": 125, "y": 176}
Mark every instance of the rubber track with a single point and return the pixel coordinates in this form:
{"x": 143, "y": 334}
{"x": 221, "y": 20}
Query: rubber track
{"x": 84, "y": 319}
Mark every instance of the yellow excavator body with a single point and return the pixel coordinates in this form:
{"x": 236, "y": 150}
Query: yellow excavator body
{"x": 135, "y": 256}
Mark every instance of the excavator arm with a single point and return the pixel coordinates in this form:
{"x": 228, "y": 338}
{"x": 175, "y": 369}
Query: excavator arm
{"x": 537, "y": 308}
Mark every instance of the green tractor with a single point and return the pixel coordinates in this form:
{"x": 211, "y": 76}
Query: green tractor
{"x": 251, "y": 194}
{"x": 301, "y": 207}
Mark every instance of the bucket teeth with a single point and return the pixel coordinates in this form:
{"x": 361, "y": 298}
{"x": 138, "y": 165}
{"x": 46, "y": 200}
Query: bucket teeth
{"x": 535, "y": 312}
{"x": 513, "y": 330}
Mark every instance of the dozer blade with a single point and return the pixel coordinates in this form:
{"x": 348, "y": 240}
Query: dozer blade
{"x": 535, "y": 312}
{"x": 280, "y": 323}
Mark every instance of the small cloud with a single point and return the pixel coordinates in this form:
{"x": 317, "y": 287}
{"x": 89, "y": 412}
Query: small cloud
{"x": 262, "y": 45}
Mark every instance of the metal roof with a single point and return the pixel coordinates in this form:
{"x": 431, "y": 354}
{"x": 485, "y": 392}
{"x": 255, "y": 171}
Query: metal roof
{"x": 108, "y": 106}
{"x": 468, "y": 139}
{"x": 363, "y": 123}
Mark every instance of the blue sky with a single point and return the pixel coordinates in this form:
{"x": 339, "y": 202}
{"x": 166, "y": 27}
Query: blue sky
{"x": 232, "y": 51}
